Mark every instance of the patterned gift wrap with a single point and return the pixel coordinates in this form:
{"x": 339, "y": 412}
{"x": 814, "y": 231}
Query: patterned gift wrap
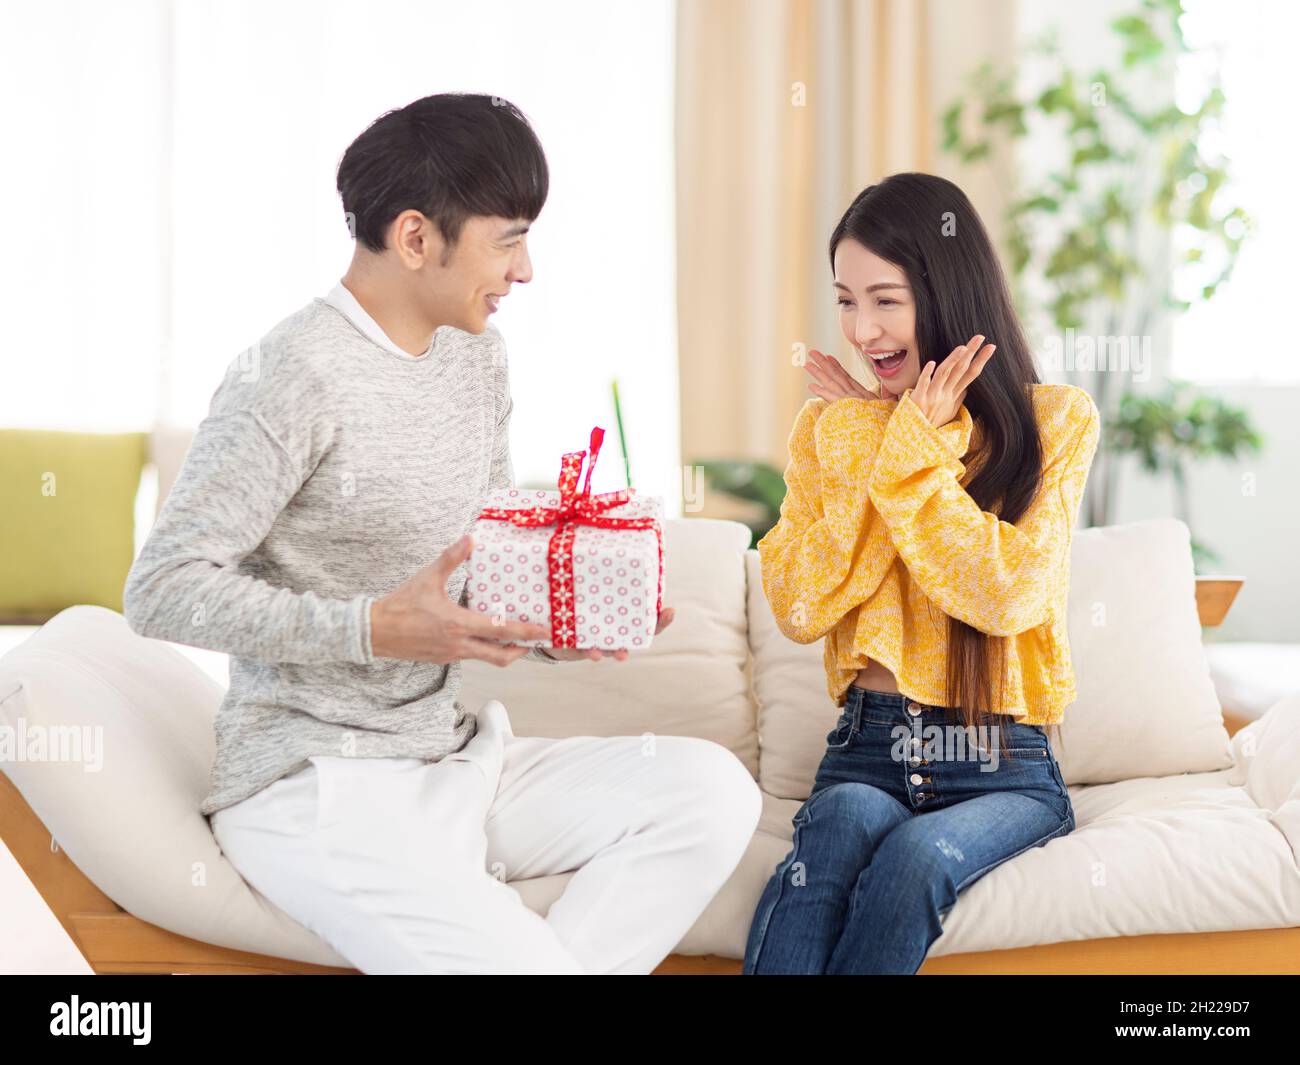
{"x": 588, "y": 567}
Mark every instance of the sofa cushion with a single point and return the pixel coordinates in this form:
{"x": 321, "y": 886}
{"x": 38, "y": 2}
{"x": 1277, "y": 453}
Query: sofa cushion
{"x": 1184, "y": 853}
{"x": 692, "y": 681}
{"x": 1266, "y": 763}
{"x": 168, "y": 447}
{"x": 1146, "y": 706}
{"x": 794, "y": 710}
{"x": 69, "y": 531}
{"x": 125, "y": 807}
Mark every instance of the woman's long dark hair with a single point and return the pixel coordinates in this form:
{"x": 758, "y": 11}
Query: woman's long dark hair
{"x": 927, "y": 227}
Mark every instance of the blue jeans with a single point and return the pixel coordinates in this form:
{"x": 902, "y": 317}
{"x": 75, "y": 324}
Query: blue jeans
{"x": 902, "y": 817}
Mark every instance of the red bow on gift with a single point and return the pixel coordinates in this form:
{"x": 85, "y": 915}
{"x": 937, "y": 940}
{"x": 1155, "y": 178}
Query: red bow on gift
{"x": 576, "y": 508}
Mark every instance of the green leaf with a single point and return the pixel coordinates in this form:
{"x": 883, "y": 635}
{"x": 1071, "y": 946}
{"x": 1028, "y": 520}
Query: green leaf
{"x": 753, "y": 482}
{"x": 1091, "y": 153}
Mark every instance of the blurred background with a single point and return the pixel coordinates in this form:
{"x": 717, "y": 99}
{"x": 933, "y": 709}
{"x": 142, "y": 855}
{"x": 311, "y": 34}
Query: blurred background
{"x": 170, "y": 197}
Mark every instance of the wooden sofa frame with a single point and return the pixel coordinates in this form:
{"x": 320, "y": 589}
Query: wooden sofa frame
{"x": 113, "y": 941}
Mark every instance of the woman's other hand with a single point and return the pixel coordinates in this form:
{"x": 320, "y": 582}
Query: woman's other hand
{"x": 830, "y": 381}
{"x": 939, "y": 393}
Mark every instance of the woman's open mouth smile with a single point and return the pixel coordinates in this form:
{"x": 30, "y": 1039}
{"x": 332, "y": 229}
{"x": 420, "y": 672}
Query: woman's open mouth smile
{"x": 887, "y": 362}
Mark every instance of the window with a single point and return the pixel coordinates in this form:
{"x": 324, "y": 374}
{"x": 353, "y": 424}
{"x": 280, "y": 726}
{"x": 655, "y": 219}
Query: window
{"x": 171, "y": 198}
{"x": 1243, "y": 333}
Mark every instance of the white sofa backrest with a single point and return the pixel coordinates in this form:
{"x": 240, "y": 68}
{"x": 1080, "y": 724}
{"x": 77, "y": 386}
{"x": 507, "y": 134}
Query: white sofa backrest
{"x": 168, "y": 446}
{"x": 794, "y": 708}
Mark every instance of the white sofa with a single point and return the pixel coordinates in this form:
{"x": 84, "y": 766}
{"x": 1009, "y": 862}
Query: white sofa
{"x": 1180, "y": 829}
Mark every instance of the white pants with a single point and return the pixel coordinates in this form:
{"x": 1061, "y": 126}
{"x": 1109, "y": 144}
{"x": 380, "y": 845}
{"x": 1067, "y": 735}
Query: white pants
{"x": 401, "y": 864}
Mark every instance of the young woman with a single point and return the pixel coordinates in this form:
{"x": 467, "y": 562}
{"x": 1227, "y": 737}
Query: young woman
{"x": 925, "y": 534}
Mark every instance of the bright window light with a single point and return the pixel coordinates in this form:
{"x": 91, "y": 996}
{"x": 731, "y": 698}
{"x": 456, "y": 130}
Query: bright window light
{"x": 1241, "y": 334}
{"x": 170, "y": 197}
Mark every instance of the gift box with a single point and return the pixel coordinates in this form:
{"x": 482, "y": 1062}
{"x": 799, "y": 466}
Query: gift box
{"x": 588, "y": 567}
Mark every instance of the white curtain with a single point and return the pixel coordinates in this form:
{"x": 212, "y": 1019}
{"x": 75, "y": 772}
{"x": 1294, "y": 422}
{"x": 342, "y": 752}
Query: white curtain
{"x": 170, "y": 197}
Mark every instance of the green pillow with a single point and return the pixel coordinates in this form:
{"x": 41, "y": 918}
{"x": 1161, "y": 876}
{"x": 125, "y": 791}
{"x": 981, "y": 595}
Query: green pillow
{"x": 67, "y": 519}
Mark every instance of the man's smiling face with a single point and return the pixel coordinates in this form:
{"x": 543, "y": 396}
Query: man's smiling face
{"x": 490, "y": 256}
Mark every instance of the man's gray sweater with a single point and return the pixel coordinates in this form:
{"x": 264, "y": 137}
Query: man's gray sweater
{"x": 328, "y": 470}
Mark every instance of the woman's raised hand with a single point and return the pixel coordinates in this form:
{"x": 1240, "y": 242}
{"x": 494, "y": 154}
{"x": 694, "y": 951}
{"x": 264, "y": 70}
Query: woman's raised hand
{"x": 831, "y": 381}
{"x": 939, "y": 393}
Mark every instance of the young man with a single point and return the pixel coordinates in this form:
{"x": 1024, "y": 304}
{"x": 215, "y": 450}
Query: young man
{"x": 358, "y": 442}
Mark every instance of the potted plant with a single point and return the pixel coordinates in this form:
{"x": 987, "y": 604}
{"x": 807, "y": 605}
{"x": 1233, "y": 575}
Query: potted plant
{"x": 1167, "y": 432}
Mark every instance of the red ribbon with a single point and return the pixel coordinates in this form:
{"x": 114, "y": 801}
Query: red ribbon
{"x": 576, "y": 508}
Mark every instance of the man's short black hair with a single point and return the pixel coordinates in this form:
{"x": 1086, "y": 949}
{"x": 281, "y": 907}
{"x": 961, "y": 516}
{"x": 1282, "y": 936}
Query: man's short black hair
{"x": 450, "y": 156}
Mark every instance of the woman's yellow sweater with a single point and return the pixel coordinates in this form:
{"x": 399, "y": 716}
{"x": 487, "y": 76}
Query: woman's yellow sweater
{"x": 878, "y": 540}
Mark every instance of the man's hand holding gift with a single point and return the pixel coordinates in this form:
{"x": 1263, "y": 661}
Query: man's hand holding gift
{"x": 419, "y": 622}
{"x": 575, "y": 654}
